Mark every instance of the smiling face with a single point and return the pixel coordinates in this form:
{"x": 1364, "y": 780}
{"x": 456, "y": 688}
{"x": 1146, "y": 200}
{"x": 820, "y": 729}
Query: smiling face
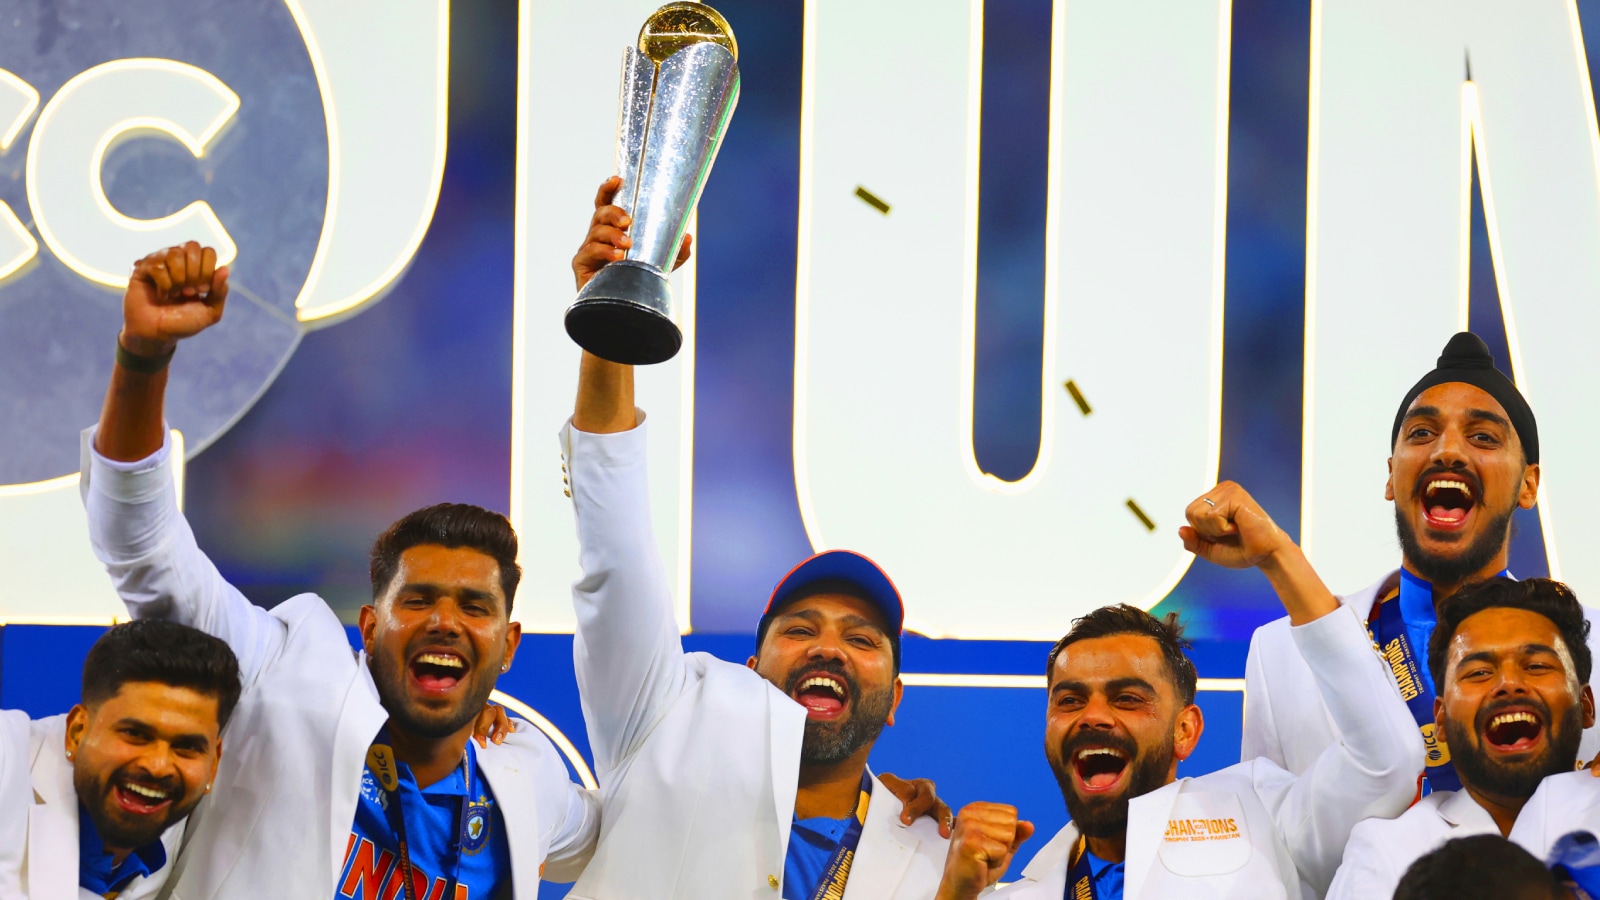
{"x": 142, "y": 759}
{"x": 831, "y": 653}
{"x": 1115, "y": 729}
{"x": 438, "y": 638}
{"x": 1457, "y": 474}
{"x": 1511, "y": 707}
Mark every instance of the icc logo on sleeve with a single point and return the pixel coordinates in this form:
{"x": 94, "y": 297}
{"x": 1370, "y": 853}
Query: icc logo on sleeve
{"x": 307, "y": 153}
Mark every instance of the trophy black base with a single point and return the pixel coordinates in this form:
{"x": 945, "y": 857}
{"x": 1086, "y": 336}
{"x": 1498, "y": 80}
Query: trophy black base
{"x": 622, "y": 314}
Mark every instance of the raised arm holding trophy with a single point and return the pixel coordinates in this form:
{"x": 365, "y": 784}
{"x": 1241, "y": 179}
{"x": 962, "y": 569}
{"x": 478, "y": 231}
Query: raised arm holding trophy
{"x": 679, "y": 87}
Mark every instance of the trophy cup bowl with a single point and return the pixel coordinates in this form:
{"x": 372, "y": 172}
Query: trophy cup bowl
{"x": 679, "y": 88}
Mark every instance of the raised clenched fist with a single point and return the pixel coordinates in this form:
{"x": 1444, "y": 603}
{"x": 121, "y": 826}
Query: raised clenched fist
{"x": 1228, "y": 527}
{"x": 172, "y": 294}
{"x": 986, "y": 836}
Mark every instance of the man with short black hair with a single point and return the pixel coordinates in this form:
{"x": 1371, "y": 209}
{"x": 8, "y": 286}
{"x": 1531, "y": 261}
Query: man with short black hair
{"x": 1463, "y": 457}
{"x": 100, "y": 794}
{"x": 1121, "y": 716}
{"x": 1512, "y": 663}
{"x": 1480, "y": 867}
{"x": 720, "y": 780}
{"x": 354, "y": 773}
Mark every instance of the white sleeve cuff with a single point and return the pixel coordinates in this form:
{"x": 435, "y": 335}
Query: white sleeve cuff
{"x": 154, "y": 461}
{"x": 128, "y": 482}
{"x": 619, "y": 448}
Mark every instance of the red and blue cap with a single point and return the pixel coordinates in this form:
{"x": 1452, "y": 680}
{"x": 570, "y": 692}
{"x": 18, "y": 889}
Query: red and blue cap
{"x": 847, "y": 566}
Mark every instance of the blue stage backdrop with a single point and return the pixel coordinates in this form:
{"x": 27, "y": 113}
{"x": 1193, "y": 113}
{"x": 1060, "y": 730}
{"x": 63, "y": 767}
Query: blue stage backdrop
{"x": 410, "y": 402}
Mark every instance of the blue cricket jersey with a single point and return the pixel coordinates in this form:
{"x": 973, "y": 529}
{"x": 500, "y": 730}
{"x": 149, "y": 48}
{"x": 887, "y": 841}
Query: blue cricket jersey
{"x": 97, "y": 875}
{"x": 434, "y": 827}
{"x": 811, "y": 846}
{"x": 1106, "y": 876}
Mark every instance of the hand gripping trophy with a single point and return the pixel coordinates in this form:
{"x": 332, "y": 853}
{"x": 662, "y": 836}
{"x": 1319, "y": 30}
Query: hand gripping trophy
{"x": 679, "y": 87}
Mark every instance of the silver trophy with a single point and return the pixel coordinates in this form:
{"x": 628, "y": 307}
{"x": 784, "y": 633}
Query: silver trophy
{"x": 679, "y": 87}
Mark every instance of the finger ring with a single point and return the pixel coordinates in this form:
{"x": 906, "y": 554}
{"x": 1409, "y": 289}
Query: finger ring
{"x": 1207, "y": 501}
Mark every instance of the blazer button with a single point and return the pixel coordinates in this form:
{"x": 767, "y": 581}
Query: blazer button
{"x": 772, "y": 881}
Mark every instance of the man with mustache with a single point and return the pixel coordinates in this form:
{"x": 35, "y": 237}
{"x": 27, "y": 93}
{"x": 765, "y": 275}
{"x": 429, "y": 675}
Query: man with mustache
{"x": 92, "y": 802}
{"x": 720, "y": 780}
{"x": 1512, "y": 663}
{"x": 1464, "y": 455}
{"x": 1121, "y": 716}
{"x": 352, "y": 774}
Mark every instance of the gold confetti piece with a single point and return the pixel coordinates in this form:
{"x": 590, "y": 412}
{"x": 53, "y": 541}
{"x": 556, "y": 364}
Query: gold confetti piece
{"x": 1077, "y": 396}
{"x": 1140, "y": 513}
{"x": 872, "y": 200}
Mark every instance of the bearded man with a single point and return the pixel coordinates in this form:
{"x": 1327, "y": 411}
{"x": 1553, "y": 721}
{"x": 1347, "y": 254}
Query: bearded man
{"x": 1464, "y": 456}
{"x": 354, "y": 772}
{"x": 1512, "y": 663}
{"x": 92, "y": 803}
{"x": 1121, "y": 717}
{"x": 720, "y": 780}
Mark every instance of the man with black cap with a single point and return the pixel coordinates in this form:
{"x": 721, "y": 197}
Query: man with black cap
{"x": 719, "y": 780}
{"x": 1464, "y": 455}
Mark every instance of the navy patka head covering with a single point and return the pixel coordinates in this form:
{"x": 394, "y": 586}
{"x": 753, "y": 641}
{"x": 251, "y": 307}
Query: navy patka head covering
{"x": 1466, "y": 359}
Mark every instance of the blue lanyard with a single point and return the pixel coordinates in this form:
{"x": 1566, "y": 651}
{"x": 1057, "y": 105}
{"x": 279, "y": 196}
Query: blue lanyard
{"x": 1393, "y": 637}
{"x": 831, "y": 885}
{"x": 1080, "y": 878}
{"x": 382, "y": 764}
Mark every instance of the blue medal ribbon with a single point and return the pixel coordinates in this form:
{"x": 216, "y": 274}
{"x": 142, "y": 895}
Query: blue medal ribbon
{"x": 831, "y": 885}
{"x": 1080, "y": 877}
{"x": 1400, "y": 628}
{"x": 384, "y": 768}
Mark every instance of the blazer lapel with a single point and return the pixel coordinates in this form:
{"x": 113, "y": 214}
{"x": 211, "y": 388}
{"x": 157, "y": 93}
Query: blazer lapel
{"x": 514, "y": 797}
{"x": 1147, "y": 823}
{"x": 787, "y": 729}
{"x": 359, "y": 720}
{"x": 1047, "y": 871}
{"x": 53, "y": 829}
{"x": 1362, "y": 601}
{"x": 885, "y": 851}
{"x": 1461, "y": 811}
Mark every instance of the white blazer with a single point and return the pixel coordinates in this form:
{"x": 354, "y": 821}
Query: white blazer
{"x": 1381, "y": 850}
{"x": 39, "y": 831}
{"x": 1563, "y": 804}
{"x": 698, "y": 758}
{"x": 16, "y": 799}
{"x": 1286, "y": 721}
{"x": 1281, "y": 835}
{"x": 285, "y": 796}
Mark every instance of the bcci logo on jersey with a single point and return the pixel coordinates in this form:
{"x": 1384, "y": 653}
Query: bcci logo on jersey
{"x": 475, "y": 825}
{"x": 303, "y": 145}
